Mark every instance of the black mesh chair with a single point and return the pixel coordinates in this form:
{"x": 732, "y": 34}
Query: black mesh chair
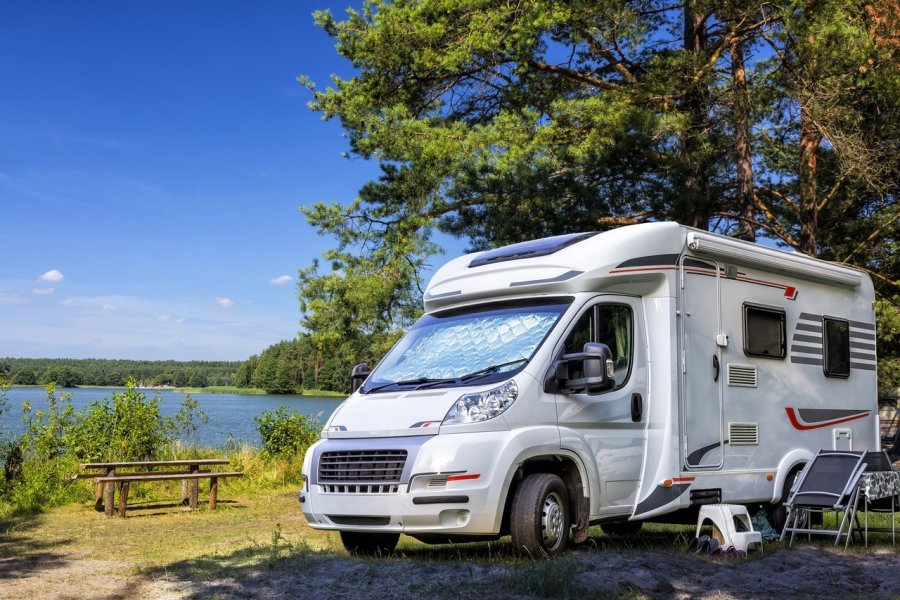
{"x": 826, "y": 485}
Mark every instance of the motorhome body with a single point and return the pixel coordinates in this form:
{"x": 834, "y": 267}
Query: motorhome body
{"x": 608, "y": 377}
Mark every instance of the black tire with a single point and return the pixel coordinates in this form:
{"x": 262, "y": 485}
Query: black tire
{"x": 369, "y": 544}
{"x": 621, "y": 527}
{"x": 777, "y": 513}
{"x": 539, "y": 522}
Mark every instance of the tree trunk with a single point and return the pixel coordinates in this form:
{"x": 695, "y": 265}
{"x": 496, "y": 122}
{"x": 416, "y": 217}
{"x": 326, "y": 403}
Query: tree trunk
{"x": 809, "y": 144}
{"x": 695, "y": 207}
{"x": 746, "y": 230}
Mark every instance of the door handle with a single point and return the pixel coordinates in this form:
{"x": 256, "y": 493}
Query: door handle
{"x": 716, "y": 366}
{"x": 637, "y": 408}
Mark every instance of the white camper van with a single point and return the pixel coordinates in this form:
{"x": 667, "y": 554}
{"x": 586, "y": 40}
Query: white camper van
{"x": 603, "y": 378}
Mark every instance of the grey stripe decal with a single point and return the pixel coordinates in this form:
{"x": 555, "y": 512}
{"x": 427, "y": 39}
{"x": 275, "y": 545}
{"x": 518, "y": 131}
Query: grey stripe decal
{"x": 818, "y": 415}
{"x": 862, "y": 355}
{"x": 565, "y": 276}
{"x": 693, "y": 459}
{"x": 861, "y": 325}
{"x": 806, "y": 361}
{"x": 808, "y": 338}
{"x": 810, "y": 317}
{"x": 862, "y": 336}
{"x": 858, "y": 346}
{"x": 807, "y": 349}
{"x": 661, "y": 496}
{"x": 647, "y": 261}
{"x": 862, "y": 366}
{"x": 431, "y": 296}
{"x": 806, "y": 327}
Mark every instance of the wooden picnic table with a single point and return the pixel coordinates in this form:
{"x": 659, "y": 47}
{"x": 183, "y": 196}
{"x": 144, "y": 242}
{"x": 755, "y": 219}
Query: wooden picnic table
{"x": 107, "y": 474}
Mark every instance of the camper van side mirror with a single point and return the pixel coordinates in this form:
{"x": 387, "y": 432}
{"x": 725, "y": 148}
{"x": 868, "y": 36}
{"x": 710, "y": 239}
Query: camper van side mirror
{"x": 594, "y": 365}
{"x": 358, "y": 376}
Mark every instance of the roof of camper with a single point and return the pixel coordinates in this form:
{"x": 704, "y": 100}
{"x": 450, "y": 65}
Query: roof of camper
{"x": 590, "y": 261}
{"x": 559, "y": 264}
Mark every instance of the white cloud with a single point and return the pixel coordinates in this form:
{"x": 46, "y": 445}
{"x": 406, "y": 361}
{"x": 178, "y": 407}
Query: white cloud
{"x": 45, "y": 291}
{"x": 281, "y": 280}
{"x": 224, "y": 302}
{"x": 52, "y": 275}
{"x": 108, "y": 307}
{"x": 9, "y": 298}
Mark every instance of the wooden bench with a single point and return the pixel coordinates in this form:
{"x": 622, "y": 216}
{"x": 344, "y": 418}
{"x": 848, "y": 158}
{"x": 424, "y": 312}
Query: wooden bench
{"x": 107, "y": 475}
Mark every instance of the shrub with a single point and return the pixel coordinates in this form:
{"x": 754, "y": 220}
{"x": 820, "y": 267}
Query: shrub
{"x": 285, "y": 432}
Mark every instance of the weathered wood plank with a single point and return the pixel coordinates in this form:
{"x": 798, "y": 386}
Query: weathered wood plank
{"x": 156, "y": 463}
{"x": 213, "y": 492}
{"x": 169, "y": 476}
{"x": 123, "y": 497}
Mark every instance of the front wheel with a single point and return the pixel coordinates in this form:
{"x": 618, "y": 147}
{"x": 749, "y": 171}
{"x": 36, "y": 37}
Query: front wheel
{"x": 539, "y": 523}
{"x": 369, "y": 544}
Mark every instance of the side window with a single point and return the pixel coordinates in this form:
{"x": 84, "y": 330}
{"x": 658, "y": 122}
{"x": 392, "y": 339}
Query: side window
{"x": 764, "y": 332}
{"x": 610, "y": 324}
{"x": 836, "y": 344}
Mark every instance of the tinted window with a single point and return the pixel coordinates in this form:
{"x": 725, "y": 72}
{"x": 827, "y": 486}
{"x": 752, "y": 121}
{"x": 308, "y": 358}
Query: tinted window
{"x": 836, "y": 341}
{"x": 764, "y": 332}
{"x": 609, "y": 324}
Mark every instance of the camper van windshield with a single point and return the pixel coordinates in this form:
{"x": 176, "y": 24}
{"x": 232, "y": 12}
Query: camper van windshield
{"x": 478, "y": 345}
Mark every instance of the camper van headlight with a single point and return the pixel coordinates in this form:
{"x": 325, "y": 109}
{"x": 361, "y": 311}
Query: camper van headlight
{"x": 482, "y": 406}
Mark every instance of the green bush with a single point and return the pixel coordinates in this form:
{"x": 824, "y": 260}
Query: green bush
{"x": 285, "y": 432}
{"x": 128, "y": 426}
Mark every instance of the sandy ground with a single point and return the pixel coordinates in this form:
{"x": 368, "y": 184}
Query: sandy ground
{"x": 801, "y": 572}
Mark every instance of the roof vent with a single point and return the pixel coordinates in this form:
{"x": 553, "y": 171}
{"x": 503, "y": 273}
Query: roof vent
{"x": 541, "y": 247}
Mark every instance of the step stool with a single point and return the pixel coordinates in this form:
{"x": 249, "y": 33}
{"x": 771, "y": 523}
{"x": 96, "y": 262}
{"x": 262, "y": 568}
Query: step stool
{"x": 724, "y": 519}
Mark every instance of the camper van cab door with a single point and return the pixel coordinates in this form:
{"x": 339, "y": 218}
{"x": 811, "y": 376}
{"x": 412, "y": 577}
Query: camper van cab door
{"x": 605, "y": 424}
{"x": 702, "y": 370}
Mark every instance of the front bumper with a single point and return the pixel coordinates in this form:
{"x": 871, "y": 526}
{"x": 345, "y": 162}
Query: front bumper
{"x": 453, "y": 484}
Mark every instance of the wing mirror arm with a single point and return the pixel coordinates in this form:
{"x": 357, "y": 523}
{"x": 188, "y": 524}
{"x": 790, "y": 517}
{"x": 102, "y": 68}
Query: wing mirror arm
{"x": 596, "y": 369}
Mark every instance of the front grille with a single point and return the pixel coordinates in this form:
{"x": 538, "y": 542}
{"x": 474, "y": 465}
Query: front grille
{"x": 369, "y": 488}
{"x": 343, "y": 466}
{"x": 359, "y": 521}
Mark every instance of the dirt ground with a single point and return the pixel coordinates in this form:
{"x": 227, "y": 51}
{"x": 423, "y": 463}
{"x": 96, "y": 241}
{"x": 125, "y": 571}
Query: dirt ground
{"x": 801, "y": 572}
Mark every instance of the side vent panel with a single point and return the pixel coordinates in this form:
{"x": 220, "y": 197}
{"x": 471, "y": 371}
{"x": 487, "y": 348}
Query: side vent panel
{"x": 743, "y": 434}
{"x": 742, "y": 375}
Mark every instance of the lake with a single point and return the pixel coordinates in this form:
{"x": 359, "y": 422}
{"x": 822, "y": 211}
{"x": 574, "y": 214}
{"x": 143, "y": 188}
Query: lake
{"x": 230, "y": 415}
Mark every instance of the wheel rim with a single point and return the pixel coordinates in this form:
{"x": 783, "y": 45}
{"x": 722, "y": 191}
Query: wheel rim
{"x": 552, "y": 520}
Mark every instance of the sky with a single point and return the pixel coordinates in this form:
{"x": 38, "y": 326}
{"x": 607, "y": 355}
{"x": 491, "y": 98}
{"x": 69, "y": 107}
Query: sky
{"x": 153, "y": 158}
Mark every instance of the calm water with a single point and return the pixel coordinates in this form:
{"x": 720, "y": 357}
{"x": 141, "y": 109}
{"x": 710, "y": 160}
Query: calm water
{"x": 230, "y": 415}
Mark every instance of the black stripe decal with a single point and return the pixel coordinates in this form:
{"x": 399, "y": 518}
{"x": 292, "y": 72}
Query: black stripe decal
{"x": 647, "y": 261}
{"x": 693, "y": 459}
{"x": 806, "y": 361}
{"x": 859, "y": 346}
{"x": 810, "y": 317}
{"x": 807, "y": 349}
{"x": 861, "y": 325}
{"x": 806, "y": 327}
{"x": 862, "y": 366}
{"x": 660, "y": 496}
{"x": 862, "y": 355}
{"x": 808, "y": 338}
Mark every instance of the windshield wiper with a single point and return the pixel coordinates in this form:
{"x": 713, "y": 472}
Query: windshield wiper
{"x": 489, "y": 370}
{"x": 473, "y": 375}
{"x": 426, "y": 382}
{"x": 419, "y": 380}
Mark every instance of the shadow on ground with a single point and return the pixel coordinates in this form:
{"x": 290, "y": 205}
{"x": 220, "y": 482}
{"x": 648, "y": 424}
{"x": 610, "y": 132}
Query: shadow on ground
{"x": 642, "y": 566}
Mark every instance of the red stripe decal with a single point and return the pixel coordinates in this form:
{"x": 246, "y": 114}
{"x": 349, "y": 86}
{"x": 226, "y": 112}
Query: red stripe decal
{"x": 464, "y": 476}
{"x": 795, "y": 420}
{"x": 682, "y": 479}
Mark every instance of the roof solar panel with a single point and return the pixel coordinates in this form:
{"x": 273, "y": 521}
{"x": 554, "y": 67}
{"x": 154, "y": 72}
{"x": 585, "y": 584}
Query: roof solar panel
{"x": 530, "y": 249}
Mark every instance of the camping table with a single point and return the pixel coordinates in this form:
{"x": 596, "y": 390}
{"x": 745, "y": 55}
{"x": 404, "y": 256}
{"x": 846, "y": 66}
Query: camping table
{"x": 875, "y": 485}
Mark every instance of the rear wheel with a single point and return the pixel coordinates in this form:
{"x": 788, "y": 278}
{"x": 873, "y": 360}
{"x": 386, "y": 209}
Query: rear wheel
{"x": 369, "y": 544}
{"x": 539, "y": 522}
{"x": 621, "y": 527}
{"x": 777, "y": 513}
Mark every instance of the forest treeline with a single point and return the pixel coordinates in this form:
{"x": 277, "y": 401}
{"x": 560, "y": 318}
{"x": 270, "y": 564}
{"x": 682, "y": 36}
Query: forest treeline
{"x": 69, "y": 372}
{"x": 291, "y": 366}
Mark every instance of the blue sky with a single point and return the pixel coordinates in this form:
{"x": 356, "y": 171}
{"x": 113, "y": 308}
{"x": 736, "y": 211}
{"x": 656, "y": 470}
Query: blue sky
{"x": 153, "y": 156}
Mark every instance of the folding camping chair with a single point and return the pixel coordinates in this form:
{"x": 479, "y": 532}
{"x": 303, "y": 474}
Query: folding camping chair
{"x": 877, "y": 500}
{"x": 827, "y": 484}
